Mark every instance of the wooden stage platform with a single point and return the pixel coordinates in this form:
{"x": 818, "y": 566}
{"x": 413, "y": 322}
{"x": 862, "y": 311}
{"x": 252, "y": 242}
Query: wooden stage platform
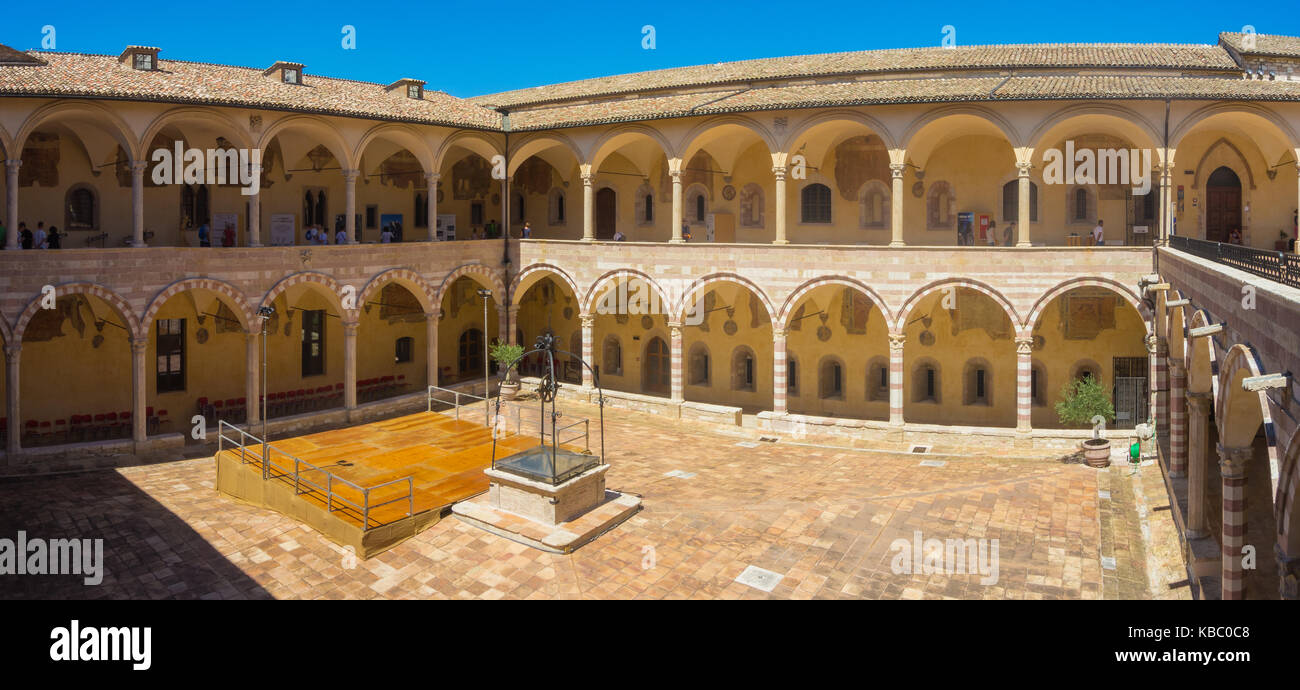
{"x": 445, "y": 458}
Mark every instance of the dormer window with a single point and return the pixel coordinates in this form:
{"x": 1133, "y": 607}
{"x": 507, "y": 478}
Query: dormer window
{"x": 142, "y": 58}
{"x": 413, "y": 88}
{"x": 285, "y": 72}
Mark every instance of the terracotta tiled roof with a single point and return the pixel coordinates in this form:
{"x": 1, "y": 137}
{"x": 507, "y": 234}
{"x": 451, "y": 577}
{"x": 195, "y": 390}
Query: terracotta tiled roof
{"x": 893, "y": 91}
{"x": 1265, "y": 45}
{"x": 9, "y": 56}
{"x": 175, "y": 81}
{"x": 1044, "y": 56}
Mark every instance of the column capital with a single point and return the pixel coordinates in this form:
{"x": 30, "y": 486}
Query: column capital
{"x": 12, "y": 164}
{"x": 1232, "y": 461}
{"x": 138, "y": 167}
{"x": 350, "y": 327}
{"x": 1024, "y": 344}
{"x": 139, "y": 345}
{"x": 432, "y": 316}
{"x": 1176, "y": 366}
{"x": 1023, "y": 168}
{"x": 675, "y": 328}
{"x": 588, "y": 178}
{"x": 12, "y": 350}
{"x": 780, "y": 333}
{"x": 351, "y": 175}
{"x": 896, "y": 170}
{"x": 1153, "y": 344}
{"x": 431, "y": 179}
{"x": 588, "y": 320}
{"x": 896, "y": 341}
{"x": 779, "y": 171}
{"x": 1199, "y": 403}
{"x": 676, "y": 175}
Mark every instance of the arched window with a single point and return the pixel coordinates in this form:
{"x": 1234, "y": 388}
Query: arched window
{"x": 751, "y": 206}
{"x": 873, "y": 206}
{"x": 815, "y": 204}
{"x": 1038, "y": 384}
{"x": 612, "y": 359}
{"x": 403, "y": 349}
{"x": 878, "y": 379}
{"x": 1086, "y": 369}
{"x": 940, "y": 205}
{"x": 469, "y": 356}
{"x": 1011, "y": 202}
{"x": 699, "y": 208}
{"x": 645, "y": 205}
{"x": 555, "y": 207}
{"x": 697, "y": 203}
{"x": 83, "y": 211}
{"x": 743, "y": 366}
{"x": 977, "y": 384}
{"x": 655, "y": 376}
{"x": 699, "y": 365}
{"x": 925, "y": 382}
{"x": 1080, "y": 205}
{"x": 830, "y": 379}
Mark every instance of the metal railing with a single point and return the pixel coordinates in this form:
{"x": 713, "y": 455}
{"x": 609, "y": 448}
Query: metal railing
{"x": 455, "y": 402}
{"x": 301, "y": 467}
{"x": 503, "y": 424}
{"x": 1279, "y": 266}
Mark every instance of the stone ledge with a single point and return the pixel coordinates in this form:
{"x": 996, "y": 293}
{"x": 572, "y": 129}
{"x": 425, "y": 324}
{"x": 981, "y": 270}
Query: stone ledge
{"x": 566, "y": 537}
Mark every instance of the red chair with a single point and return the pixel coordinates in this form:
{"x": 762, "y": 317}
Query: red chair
{"x": 4, "y": 428}
{"x": 401, "y": 384}
{"x": 61, "y": 430}
{"x": 162, "y": 419}
{"x": 31, "y": 432}
{"x": 218, "y": 411}
{"x": 110, "y": 425}
{"x": 47, "y": 434}
{"x": 124, "y": 429}
{"x": 150, "y": 421}
{"x": 242, "y": 405}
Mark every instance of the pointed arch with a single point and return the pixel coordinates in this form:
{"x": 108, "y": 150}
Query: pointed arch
{"x": 1202, "y": 175}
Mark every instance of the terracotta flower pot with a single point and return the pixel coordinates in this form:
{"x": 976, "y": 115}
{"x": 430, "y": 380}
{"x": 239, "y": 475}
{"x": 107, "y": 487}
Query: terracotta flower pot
{"x": 509, "y": 389}
{"x": 1096, "y": 451}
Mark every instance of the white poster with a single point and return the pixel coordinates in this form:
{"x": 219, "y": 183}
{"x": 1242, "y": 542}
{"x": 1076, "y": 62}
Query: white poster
{"x": 282, "y": 229}
{"x": 446, "y": 227}
{"x": 225, "y": 229}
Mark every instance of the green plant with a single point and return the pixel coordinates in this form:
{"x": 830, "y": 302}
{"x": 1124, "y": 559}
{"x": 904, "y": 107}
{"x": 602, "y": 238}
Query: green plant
{"x": 507, "y": 356}
{"x": 1081, "y": 400}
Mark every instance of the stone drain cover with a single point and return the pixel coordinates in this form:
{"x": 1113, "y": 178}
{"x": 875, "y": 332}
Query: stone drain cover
{"x": 759, "y": 578}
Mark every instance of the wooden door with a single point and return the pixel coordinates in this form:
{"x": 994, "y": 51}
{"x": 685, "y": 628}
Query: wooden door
{"x": 658, "y": 367}
{"x": 1222, "y": 205}
{"x": 606, "y": 214}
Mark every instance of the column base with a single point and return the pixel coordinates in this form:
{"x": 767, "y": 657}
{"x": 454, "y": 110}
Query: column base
{"x": 780, "y": 241}
{"x": 255, "y": 244}
{"x": 1178, "y": 474}
{"x": 589, "y": 239}
{"x": 140, "y": 244}
{"x": 677, "y": 240}
{"x": 899, "y": 243}
{"x": 1024, "y": 244}
{"x": 1190, "y": 533}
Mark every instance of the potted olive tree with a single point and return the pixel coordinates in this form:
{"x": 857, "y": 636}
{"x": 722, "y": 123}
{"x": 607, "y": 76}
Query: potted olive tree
{"x": 508, "y": 356}
{"x": 1082, "y": 402}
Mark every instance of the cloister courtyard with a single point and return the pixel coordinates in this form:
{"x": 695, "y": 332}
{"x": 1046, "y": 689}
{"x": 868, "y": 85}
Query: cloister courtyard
{"x": 716, "y": 501}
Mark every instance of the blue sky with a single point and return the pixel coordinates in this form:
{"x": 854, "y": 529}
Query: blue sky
{"x": 471, "y": 48}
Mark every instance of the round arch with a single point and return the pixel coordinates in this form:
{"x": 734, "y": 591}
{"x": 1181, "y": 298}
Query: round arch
{"x": 6, "y": 332}
{"x": 412, "y": 281}
{"x": 1129, "y": 123}
{"x": 616, "y": 138}
{"x": 534, "y": 144}
{"x": 530, "y": 276}
{"x": 792, "y": 302}
{"x": 1201, "y": 358}
{"x": 333, "y": 139}
{"x": 975, "y": 285}
{"x": 404, "y": 136}
{"x": 691, "y": 142}
{"x": 1115, "y": 286}
{"x": 1288, "y": 514}
{"x": 806, "y": 126}
{"x": 699, "y": 285}
{"x": 102, "y": 116}
{"x": 986, "y": 117}
{"x": 220, "y": 287}
{"x": 116, "y": 301}
{"x": 1260, "y": 113}
{"x": 327, "y": 283}
{"x": 176, "y": 116}
{"x": 588, "y": 299}
{"x": 1238, "y": 411}
{"x": 479, "y": 273}
{"x": 475, "y": 142}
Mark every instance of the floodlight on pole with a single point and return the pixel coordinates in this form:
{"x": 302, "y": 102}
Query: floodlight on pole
{"x": 265, "y": 312}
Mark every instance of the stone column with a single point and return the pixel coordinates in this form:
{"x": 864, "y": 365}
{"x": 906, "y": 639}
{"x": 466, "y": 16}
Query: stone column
{"x": 139, "y": 389}
{"x": 1232, "y": 467}
{"x": 504, "y": 323}
{"x": 350, "y": 364}
{"x": 350, "y": 221}
{"x": 255, "y": 212}
{"x": 1024, "y": 383}
{"x": 1177, "y": 419}
{"x": 1167, "y": 198}
{"x": 896, "y": 341}
{"x": 252, "y": 378}
{"x": 137, "y": 203}
{"x": 1288, "y": 570}
{"x": 780, "y": 371}
{"x": 1022, "y": 212}
{"x": 588, "y": 346}
{"x": 678, "y": 390}
{"x": 431, "y": 199}
{"x": 1155, "y": 379}
{"x": 779, "y": 172}
{"x": 1198, "y": 420}
{"x": 896, "y": 205}
{"x": 11, "y": 204}
{"x": 588, "y": 208}
{"x": 431, "y": 348}
{"x": 677, "y": 206}
{"x": 13, "y": 352}
{"x": 512, "y": 325}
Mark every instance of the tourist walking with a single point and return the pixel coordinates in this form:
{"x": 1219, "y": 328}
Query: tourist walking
{"x": 1099, "y": 234}
{"x": 55, "y": 240}
{"x": 1009, "y": 235}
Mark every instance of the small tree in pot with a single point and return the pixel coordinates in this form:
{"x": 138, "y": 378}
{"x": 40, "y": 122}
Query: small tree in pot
{"x": 507, "y": 356}
{"x": 1082, "y": 401}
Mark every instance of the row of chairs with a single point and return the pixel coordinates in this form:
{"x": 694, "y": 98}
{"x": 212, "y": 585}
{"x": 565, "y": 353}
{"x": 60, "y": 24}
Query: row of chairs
{"x": 381, "y": 387}
{"x": 81, "y": 427}
{"x": 233, "y": 410}
{"x": 286, "y": 403}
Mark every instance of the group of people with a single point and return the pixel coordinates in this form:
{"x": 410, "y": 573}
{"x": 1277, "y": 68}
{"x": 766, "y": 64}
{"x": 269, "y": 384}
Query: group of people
{"x": 319, "y": 235}
{"x": 227, "y": 236}
{"x": 966, "y": 235}
{"x": 40, "y": 238}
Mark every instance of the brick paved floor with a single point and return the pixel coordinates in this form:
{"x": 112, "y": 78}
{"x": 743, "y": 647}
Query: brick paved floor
{"x": 822, "y": 518}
